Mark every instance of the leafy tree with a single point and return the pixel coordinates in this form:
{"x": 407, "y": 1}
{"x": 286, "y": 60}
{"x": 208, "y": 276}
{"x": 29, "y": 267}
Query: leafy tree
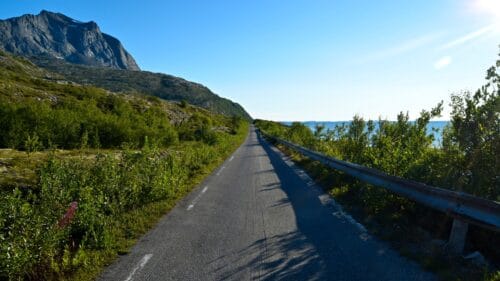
{"x": 473, "y": 138}
{"x": 300, "y": 134}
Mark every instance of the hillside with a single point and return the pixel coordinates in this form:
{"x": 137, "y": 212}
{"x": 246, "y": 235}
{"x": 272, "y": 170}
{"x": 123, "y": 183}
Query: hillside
{"x": 164, "y": 86}
{"x": 81, "y": 53}
{"x": 38, "y": 103}
{"x": 119, "y": 161}
{"x": 58, "y": 36}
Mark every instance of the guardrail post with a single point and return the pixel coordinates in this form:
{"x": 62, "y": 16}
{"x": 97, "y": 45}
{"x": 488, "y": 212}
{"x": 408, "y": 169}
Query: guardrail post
{"x": 458, "y": 234}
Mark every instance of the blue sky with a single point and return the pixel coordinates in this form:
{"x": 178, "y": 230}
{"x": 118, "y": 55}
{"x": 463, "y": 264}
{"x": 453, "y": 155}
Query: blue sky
{"x": 303, "y": 59}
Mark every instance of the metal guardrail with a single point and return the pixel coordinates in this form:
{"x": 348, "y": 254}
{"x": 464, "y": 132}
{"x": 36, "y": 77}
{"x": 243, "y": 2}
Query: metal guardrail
{"x": 463, "y": 207}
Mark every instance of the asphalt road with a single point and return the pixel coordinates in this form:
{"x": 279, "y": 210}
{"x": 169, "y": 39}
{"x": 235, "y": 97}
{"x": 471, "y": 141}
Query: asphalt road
{"x": 258, "y": 217}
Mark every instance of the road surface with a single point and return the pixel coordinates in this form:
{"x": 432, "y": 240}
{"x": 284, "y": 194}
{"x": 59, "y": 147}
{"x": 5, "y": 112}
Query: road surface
{"x": 258, "y": 217}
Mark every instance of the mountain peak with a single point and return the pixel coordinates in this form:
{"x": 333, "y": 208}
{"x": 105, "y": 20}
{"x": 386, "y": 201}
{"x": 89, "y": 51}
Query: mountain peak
{"x": 59, "y": 36}
{"x": 56, "y": 16}
{"x": 48, "y": 13}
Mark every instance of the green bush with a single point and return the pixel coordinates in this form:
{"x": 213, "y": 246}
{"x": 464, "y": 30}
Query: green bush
{"x": 110, "y": 122}
{"x": 156, "y": 164}
{"x": 466, "y": 160}
{"x": 34, "y": 246}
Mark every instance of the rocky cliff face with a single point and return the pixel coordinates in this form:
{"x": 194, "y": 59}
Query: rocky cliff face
{"x": 58, "y": 36}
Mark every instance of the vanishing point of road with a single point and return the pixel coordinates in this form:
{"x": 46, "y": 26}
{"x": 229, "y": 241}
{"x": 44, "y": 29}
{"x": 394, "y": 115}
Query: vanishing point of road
{"x": 258, "y": 217}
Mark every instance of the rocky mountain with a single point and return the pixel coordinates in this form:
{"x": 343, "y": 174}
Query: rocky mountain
{"x": 58, "y": 36}
{"x": 79, "y": 52}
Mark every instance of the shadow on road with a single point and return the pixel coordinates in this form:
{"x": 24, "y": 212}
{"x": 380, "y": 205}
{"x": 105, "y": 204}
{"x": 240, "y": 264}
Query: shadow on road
{"x": 310, "y": 253}
{"x": 287, "y": 257}
{"x": 322, "y": 247}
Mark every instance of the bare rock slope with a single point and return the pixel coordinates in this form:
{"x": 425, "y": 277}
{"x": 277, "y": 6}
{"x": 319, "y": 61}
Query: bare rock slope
{"x": 58, "y": 36}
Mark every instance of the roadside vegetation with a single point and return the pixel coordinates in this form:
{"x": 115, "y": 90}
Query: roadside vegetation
{"x": 467, "y": 160}
{"x": 84, "y": 172}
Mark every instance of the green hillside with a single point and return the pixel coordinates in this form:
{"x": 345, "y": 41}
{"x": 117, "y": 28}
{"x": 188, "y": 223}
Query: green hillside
{"x": 121, "y": 161}
{"x": 35, "y": 103}
{"x": 156, "y": 84}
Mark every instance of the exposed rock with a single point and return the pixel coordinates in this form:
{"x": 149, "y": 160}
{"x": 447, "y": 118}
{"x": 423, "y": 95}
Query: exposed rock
{"x": 58, "y": 36}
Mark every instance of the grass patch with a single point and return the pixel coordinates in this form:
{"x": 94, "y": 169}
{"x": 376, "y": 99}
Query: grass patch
{"x": 19, "y": 169}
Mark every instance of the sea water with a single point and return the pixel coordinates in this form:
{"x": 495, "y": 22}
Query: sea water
{"x": 433, "y": 127}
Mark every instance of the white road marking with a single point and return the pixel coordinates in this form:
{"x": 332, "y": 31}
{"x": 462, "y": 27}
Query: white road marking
{"x": 191, "y": 206}
{"x": 231, "y": 159}
{"x": 140, "y": 265}
{"x": 218, "y": 173}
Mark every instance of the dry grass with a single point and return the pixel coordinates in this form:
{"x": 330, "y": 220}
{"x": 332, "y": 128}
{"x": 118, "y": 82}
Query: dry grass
{"x": 19, "y": 169}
